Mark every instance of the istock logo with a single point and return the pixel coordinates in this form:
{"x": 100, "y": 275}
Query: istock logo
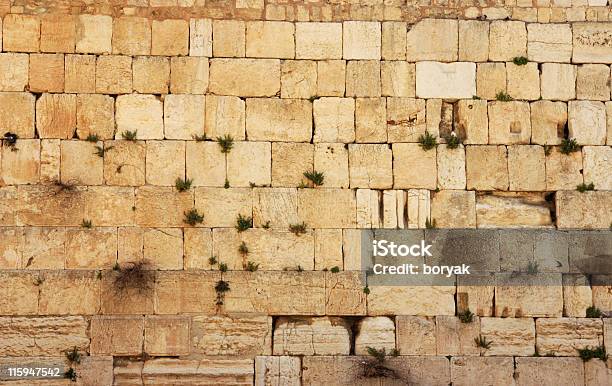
{"x": 385, "y": 248}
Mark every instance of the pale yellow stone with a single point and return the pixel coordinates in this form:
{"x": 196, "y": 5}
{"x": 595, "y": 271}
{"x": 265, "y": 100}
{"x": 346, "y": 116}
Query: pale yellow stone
{"x": 512, "y": 210}
{"x": 229, "y": 38}
{"x": 17, "y": 113}
{"x": 169, "y": 37}
{"x": 164, "y": 248}
{"x": 451, "y": 167}
{"x": 277, "y": 370}
{"x": 363, "y": 78}
{"x": 318, "y": 40}
{"x": 454, "y": 337}
{"x": 328, "y": 248}
{"x": 548, "y": 120}
{"x": 205, "y": 163}
{"x": 377, "y": 332}
{"x": 593, "y": 82}
{"x": 276, "y": 208}
{"x": 166, "y": 335}
{"x": 93, "y": 34}
{"x": 526, "y": 168}
{"x": 416, "y": 335}
{"x": 370, "y": 120}
{"x": 249, "y": 163}
{"x": 165, "y": 162}
{"x": 69, "y": 293}
{"x": 563, "y": 171}
{"x": 490, "y": 80}
{"x": 509, "y": 123}
{"x": 140, "y": 113}
{"x": 370, "y": 166}
{"x": 473, "y": 41}
{"x": 95, "y": 115}
{"x": 200, "y": 37}
{"x": 188, "y": 75}
{"x": 588, "y": 46}
{"x": 361, "y": 40}
{"x": 507, "y": 40}
{"x": 454, "y": 209}
{"x": 287, "y": 120}
{"x": 161, "y": 206}
{"x": 117, "y": 335}
{"x": 549, "y": 42}
{"x": 583, "y": 210}
{"x": 270, "y": 39}
{"x": 151, "y": 75}
{"x": 406, "y": 119}
{"x": 327, "y": 208}
{"x": 49, "y": 160}
{"x": 398, "y": 79}
{"x": 244, "y": 77}
{"x": 587, "y": 122}
{"x": 183, "y": 116}
{"x": 221, "y": 206}
{"x": 414, "y": 167}
{"x": 198, "y": 248}
{"x": 577, "y": 295}
{"x": 20, "y": 165}
{"x": 597, "y": 162}
{"x": 43, "y": 248}
{"x": 91, "y": 248}
{"x": 225, "y": 115}
{"x": 331, "y": 159}
{"x": 558, "y": 81}
{"x": 56, "y": 115}
{"x": 393, "y": 40}
{"x": 80, "y": 163}
{"x": 131, "y": 36}
{"x": 21, "y": 33}
{"x": 331, "y": 77}
{"x": 523, "y": 81}
{"x": 540, "y": 371}
{"x": 234, "y": 334}
{"x": 433, "y": 39}
{"x": 298, "y": 79}
{"x": 311, "y": 336}
{"x": 13, "y": 72}
{"x": 486, "y": 167}
{"x": 471, "y": 121}
{"x": 412, "y": 300}
{"x": 488, "y": 370}
{"x": 508, "y": 336}
{"x": 564, "y": 336}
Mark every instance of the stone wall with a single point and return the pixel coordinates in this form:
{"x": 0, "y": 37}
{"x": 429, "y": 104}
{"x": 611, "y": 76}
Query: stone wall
{"x": 126, "y": 121}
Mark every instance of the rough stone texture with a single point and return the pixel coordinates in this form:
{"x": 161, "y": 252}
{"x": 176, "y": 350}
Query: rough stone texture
{"x": 583, "y": 210}
{"x": 486, "y": 167}
{"x": 508, "y": 336}
{"x": 558, "y": 81}
{"x": 140, "y": 113}
{"x": 279, "y": 120}
{"x": 311, "y": 336}
{"x": 549, "y": 42}
{"x": 433, "y": 39}
{"x": 419, "y": 300}
{"x": 548, "y": 120}
{"x": 235, "y": 334}
{"x": 487, "y": 370}
{"x": 591, "y": 43}
{"x": 454, "y": 209}
{"x": 413, "y": 167}
{"x": 454, "y": 337}
{"x": 526, "y": 168}
{"x": 416, "y": 335}
{"x": 377, "y": 332}
{"x": 509, "y": 123}
{"x": 507, "y": 40}
{"x": 440, "y": 80}
{"x": 512, "y": 210}
{"x": 318, "y": 40}
{"x": 277, "y": 370}
{"x": 564, "y": 336}
{"x": 244, "y": 77}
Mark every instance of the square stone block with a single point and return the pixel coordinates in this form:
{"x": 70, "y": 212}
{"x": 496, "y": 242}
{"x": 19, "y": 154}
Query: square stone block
{"x": 414, "y": 167}
{"x": 361, "y": 40}
{"x": 170, "y": 37}
{"x": 270, "y": 39}
{"x": 486, "y": 167}
{"x": 188, "y": 75}
{"x": 165, "y": 162}
{"x": 433, "y": 39}
{"x": 93, "y": 34}
{"x": 131, "y": 36}
{"x": 183, "y": 116}
{"x": 318, "y": 40}
{"x": 445, "y": 80}
{"x": 151, "y": 75}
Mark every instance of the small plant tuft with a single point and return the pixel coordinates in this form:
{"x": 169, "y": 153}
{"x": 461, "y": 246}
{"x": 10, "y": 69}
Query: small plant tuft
{"x": 135, "y": 275}
{"x": 533, "y": 267}
{"x": 520, "y": 60}
{"x": 375, "y": 367}
{"x": 466, "y": 316}
{"x": 589, "y": 353}
{"x": 73, "y": 356}
{"x": 584, "y": 187}
{"x": 226, "y": 143}
{"x": 101, "y": 150}
{"x": 243, "y": 249}
{"x": 86, "y": 224}
{"x": 221, "y": 288}
{"x": 192, "y": 217}
{"x": 430, "y": 224}
{"x": 182, "y": 185}
{"x": 199, "y": 138}
{"x": 453, "y": 141}
{"x": 212, "y": 260}
{"x": 315, "y": 177}
{"x": 298, "y": 229}
{"x": 251, "y": 266}
{"x": 71, "y": 374}
{"x": 10, "y": 140}
{"x": 266, "y": 225}
{"x": 366, "y": 290}
{"x": 243, "y": 223}
{"x": 427, "y": 141}
{"x": 593, "y": 312}
{"x": 92, "y": 138}
{"x": 482, "y": 342}
{"x": 335, "y": 269}
{"x": 223, "y": 267}
{"x": 569, "y": 146}
{"x": 129, "y": 135}
{"x": 503, "y": 97}
{"x": 547, "y": 149}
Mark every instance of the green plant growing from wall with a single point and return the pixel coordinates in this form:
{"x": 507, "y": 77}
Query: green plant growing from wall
{"x": 502, "y": 96}
{"x": 482, "y": 342}
{"x": 453, "y": 141}
{"x": 226, "y": 143}
{"x": 193, "y": 217}
{"x": 10, "y": 140}
{"x": 221, "y": 288}
{"x": 251, "y": 266}
{"x": 243, "y": 249}
{"x": 182, "y": 185}
{"x": 86, "y": 224}
{"x": 466, "y": 316}
{"x": 92, "y": 138}
{"x": 129, "y": 135}
{"x": 427, "y": 141}
{"x": 298, "y": 229}
{"x": 136, "y": 276}
{"x": 375, "y": 366}
{"x": 316, "y": 178}
{"x": 569, "y": 146}
{"x": 243, "y": 223}
{"x": 520, "y": 60}
{"x": 593, "y": 312}
{"x": 588, "y": 353}
{"x": 585, "y": 187}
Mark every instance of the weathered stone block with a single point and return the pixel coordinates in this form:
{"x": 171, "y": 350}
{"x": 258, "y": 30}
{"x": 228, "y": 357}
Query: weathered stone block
{"x": 245, "y": 77}
{"x": 287, "y": 120}
{"x": 413, "y": 300}
{"x": 117, "y": 335}
{"x": 225, "y": 115}
{"x": 161, "y": 206}
{"x": 289, "y": 162}
{"x": 140, "y": 113}
{"x": 509, "y": 209}
{"x": 193, "y": 371}
{"x": 398, "y": 78}
{"x": 563, "y": 171}
{"x": 19, "y": 290}
{"x": 393, "y": 40}
{"x": 370, "y": 120}
{"x": 270, "y": 39}
{"x": 249, "y": 162}
{"x": 542, "y": 371}
{"x": 170, "y": 37}
{"x": 445, "y": 80}
{"x": 80, "y": 163}
{"x": 222, "y": 206}
{"x": 95, "y": 115}
{"x": 587, "y": 122}
{"x": 454, "y": 209}
{"x": 298, "y": 79}
{"x": 491, "y": 79}
{"x": 327, "y": 208}
{"x": 414, "y": 167}
{"x": 234, "y": 334}
{"x": 433, "y": 39}
{"x": 523, "y": 81}
{"x": 183, "y": 116}
{"x": 230, "y": 38}
{"x": 114, "y": 74}
{"x": 125, "y": 166}
{"x": 311, "y": 336}
{"x": 17, "y": 113}
{"x": 564, "y": 336}
{"x": 508, "y": 336}
{"x": 200, "y": 37}
{"x": 548, "y": 120}
{"x": 93, "y": 34}
{"x": 507, "y": 40}
{"x": 526, "y": 168}
{"x": 49, "y": 160}
{"x": 151, "y": 75}
{"x": 361, "y": 40}
{"x": 275, "y": 207}
{"x": 370, "y": 166}
{"x": 13, "y": 72}
{"x": 165, "y": 162}
{"x": 451, "y": 167}
{"x": 486, "y": 167}
{"x": 509, "y": 123}
{"x": 406, "y": 119}
{"x": 363, "y": 78}
{"x": 43, "y": 248}
{"x": 597, "y": 162}
{"x": 328, "y": 254}
{"x": 69, "y": 293}
{"x": 188, "y": 75}
{"x": 473, "y": 41}
{"x": 344, "y": 293}
{"x": 277, "y": 370}
{"x": 186, "y": 292}
{"x": 205, "y": 163}
{"x": 558, "y": 81}
{"x": 57, "y": 33}
{"x": 318, "y": 40}
{"x": 377, "y": 332}
{"x": 471, "y": 121}
{"x": 593, "y": 82}
{"x": 549, "y": 42}
{"x": 20, "y": 166}
{"x": 91, "y": 248}
{"x": 166, "y": 335}
{"x": 80, "y": 73}
{"x": 591, "y": 43}
{"x": 131, "y": 36}
{"x": 416, "y": 335}
{"x": 577, "y": 295}
{"x": 331, "y": 77}
{"x": 21, "y": 33}
{"x": 56, "y": 115}
{"x": 454, "y": 337}
{"x": 164, "y": 248}
{"x": 332, "y": 160}
{"x": 583, "y": 210}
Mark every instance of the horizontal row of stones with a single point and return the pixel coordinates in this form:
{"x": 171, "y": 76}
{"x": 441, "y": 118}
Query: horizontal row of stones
{"x": 325, "y": 119}
{"x": 281, "y": 165}
{"x": 430, "y": 39}
{"x": 65, "y": 205}
{"x": 287, "y": 293}
{"x": 278, "y": 249}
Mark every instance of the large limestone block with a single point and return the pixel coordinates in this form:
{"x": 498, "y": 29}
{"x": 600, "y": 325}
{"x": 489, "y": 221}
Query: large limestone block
{"x": 558, "y": 81}
{"x": 140, "y": 113}
{"x": 414, "y": 167}
{"x": 454, "y": 209}
{"x": 593, "y": 82}
{"x": 363, "y": 78}
{"x": 298, "y": 79}
{"x": 370, "y": 166}
{"x": 393, "y": 40}
{"x": 416, "y": 335}
{"x": 95, "y": 114}
{"x": 289, "y": 162}
{"x": 161, "y": 206}
{"x": 91, "y": 248}
{"x": 188, "y": 75}
{"x": 406, "y": 119}
{"x": 80, "y": 163}
{"x": 540, "y": 295}
{"x": 312, "y": 336}
{"x": 275, "y": 207}
{"x": 276, "y": 293}
{"x": 486, "y": 167}
{"x": 17, "y": 113}
{"x": 198, "y": 248}
{"x": 69, "y": 293}
{"x": 245, "y": 77}
{"x": 526, "y": 168}
{"x": 331, "y": 77}
{"x": 49, "y": 160}
{"x": 8, "y": 205}
{"x": 473, "y": 41}
{"x": 597, "y": 163}
{"x": 471, "y": 121}
{"x": 277, "y": 370}
{"x": 288, "y": 120}
{"x": 183, "y": 116}
{"x": 482, "y": 370}
{"x": 13, "y": 72}
{"x": 454, "y": 337}
{"x": 109, "y": 205}
{"x": 549, "y": 371}
{"x": 398, "y": 78}
{"x": 507, "y": 40}
{"x": 165, "y": 162}
{"x": 563, "y": 171}
{"x": 80, "y": 73}
{"x": 169, "y": 371}
{"x": 318, "y": 40}
{"x": 332, "y": 160}
{"x": 592, "y": 43}
{"x": 205, "y": 163}
{"x": 230, "y": 38}
{"x": 222, "y": 206}
{"x": 512, "y": 210}
{"x": 249, "y": 163}
{"x": 117, "y": 335}
{"x": 509, "y": 123}
{"x": 451, "y": 167}
{"x": 186, "y": 292}
{"x": 113, "y": 74}
{"x": 234, "y": 334}
{"x": 445, "y": 80}
{"x": 164, "y": 248}
{"x": 166, "y": 335}
{"x": 22, "y": 164}
{"x": 270, "y": 39}
{"x": 587, "y": 122}
{"x": 93, "y": 34}
{"x": 125, "y": 166}
{"x": 433, "y": 39}
{"x": 131, "y": 36}
{"x": 271, "y": 249}
{"x": 56, "y": 116}
{"x": 377, "y": 332}
{"x": 19, "y": 291}
{"x": 334, "y": 119}
{"x": 548, "y": 120}
{"x": 361, "y": 40}
{"x": 411, "y": 300}
{"x": 328, "y": 254}
{"x": 21, "y": 33}
{"x": 597, "y": 373}
{"x": 200, "y": 37}
{"x": 583, "y": 210}
{"x": 327, "y": 208}
{"x": 44, "y": 336}
{"x": 225, "y": 115}
{"x": 523, "y": 81}
{"x": 549, "y": 42}
{"x": 371, "y": 120}
{"x": 491, "y": 79}
{"x": 60, "y": 207}
{"x": 151, "y": 74}
{"x": 170, "y": 37}
{"x": 43, "y": 248}
{"x": 564, "y": 336}
{"x": 577, "y": 295}
{"x": 508, "y": 336}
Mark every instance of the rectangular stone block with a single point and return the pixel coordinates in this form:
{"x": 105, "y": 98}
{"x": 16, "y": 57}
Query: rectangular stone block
{"x": 188, "y": 75}
{"x": 371, "y": 120}
{"x": 166, "y": 335}
{"x": 95, "y": 115}
{"x": 270, "y": 39}
{"x": 277, "y": 370}
{"x": 223, "y": 206}
{"x": 43, "y": 248}
{"x": 198, "y": 248}
{"x": 587, "y": 122}
{"x": 288, "y": 120}
{"x": 473, "y": 41}
{"x": 230, "y": 38}
{"x": 549, "y": 42}
{"x": 370, "y": 166}
{"x": 344, "y": 294}
{"x": 298, "y": 79}
{"x": 140, "y": 113}
{"x": 490, "y": 80}
{"x": 416, "y": 335}
{"x": 17, "y": 113}
{"x": 69, "y": 293}
{"x": 311, "y": 336}
{"x": 46, "y": 73}
{"x": 523, "y": 81}
{"x": 80, "y": 73}
{"x": 453, "y": 337}
{"x": 334, "y": 120}
{"x": 276, "y": 208}
{"x": 583, "y": 210}
{"x": 151, "y": 75}
{"x": 187, "y": 292}
{"x": 245, "y": 77}
{"x": 117, "y": 335}
{"x": 91, "y": 248}
{"x": 318, "y": 41}
{"x": 161, "y": 206}
{"x": 14, "y": 72}
{"x": 363, "y": 78}
{"x": 57, "y": 33}
{"x": 433, "y": 39}
{"x": 80, "y": 163}
{"x": 249, "y": 163}
{"x": 163, "y": 248}
{"x": 289, "y": 162}
{"x": 183, "y": 116}
{"x": 234, "y": 334}
{"x": 331, "y": 77}
{"x": 558, "y": 81}
{"x": 507, "y": 40}
{"x": 94, "y": 34}
{"x": 393, "y": 40}
{"x": 526, "y": 168}
{"x": 225, "y": 115}
{"x": 327, "y": 208}
{"x": 398, "y": 78}
{"x": 564, "y": 336}
{"x": 414, "y": 167}
{"x": 411, "y": 300}
{"x": 205, "y": 163}
{"x": 445, "y": 80}
{"x": 331, "y": 159}
{"x": 56, "y": 116}
{"x": 508, "y": 336}
{"x": 114, "y": 74}
{"x": 593, "y": 82}
{"x": 512, "y": 210}
{"x": 193, "y": 371}
{"x": 19, "y": 292}
{"x": 509, "y": 123}
{"x": 169, "y": 37}
{"x": 200, "y": 37}
{"x": 20, "y": 165}
{"x": 532, "y": 371}
{"x": 471, "y": 121}
{"x": 454, "y": 209}
{"x": 131, "y": 36}
{"x": 361, "y": 40}
{"x": 21, "y": 33}
{"x": 488, "y": 370}
{"x": 591, "y": 43}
